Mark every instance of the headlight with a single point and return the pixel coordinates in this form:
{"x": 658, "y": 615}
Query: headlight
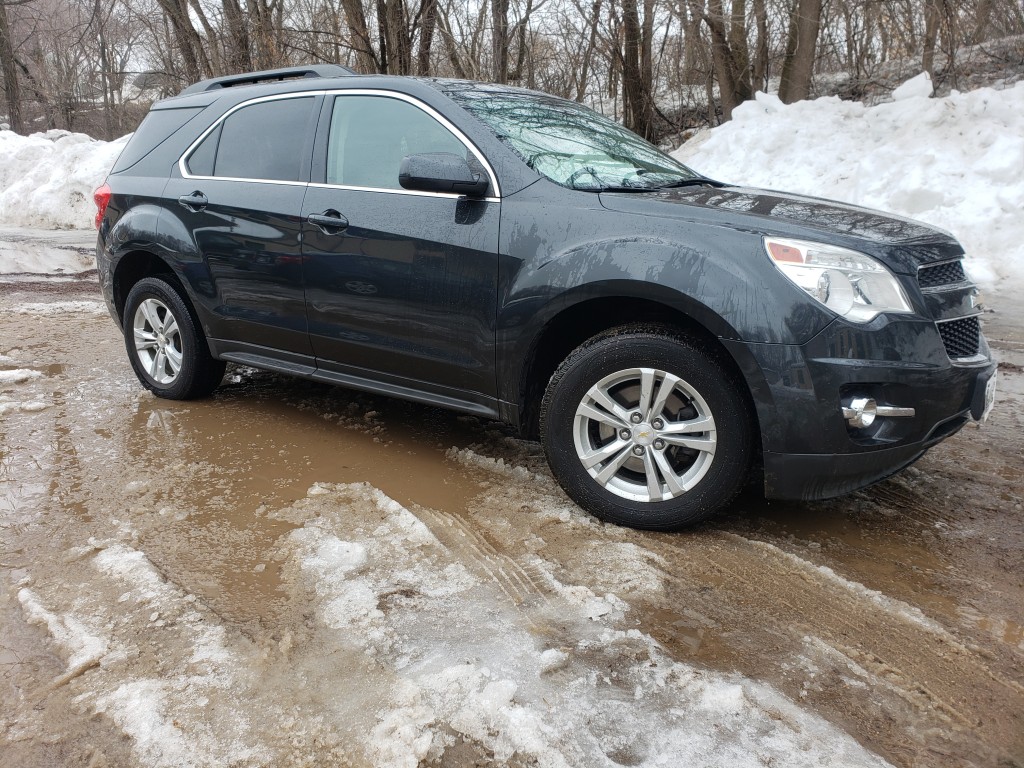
{"x": 849, "y": 283}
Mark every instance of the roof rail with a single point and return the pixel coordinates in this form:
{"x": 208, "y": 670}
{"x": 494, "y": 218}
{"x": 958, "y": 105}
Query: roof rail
{"x": 268, "y": 75}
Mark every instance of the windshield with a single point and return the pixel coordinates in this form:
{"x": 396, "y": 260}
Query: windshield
{"x": 569, "y": 143}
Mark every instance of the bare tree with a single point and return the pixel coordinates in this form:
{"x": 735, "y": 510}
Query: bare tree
{"x": 658, "y": 65}
{"x": 12, "y": 90}
{"x": 801, "y": 43}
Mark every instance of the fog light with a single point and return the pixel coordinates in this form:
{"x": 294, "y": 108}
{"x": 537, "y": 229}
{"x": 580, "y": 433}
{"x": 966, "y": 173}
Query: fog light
{"x": 860, "y": 412}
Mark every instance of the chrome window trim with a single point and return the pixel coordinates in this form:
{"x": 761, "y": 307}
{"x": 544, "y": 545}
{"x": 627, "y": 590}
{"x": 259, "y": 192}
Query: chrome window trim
{"x": 491, "y": 175}
{"x": 413, "y": 192}
{"x": 249, "y": 181}
{"x": 183, "y": 168}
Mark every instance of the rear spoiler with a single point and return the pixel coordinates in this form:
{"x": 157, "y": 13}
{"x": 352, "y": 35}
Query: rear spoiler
{"x": 268, "y": 75}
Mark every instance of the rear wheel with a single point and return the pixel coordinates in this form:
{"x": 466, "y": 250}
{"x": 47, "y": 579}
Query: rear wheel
{"x": 646, "y": 428}
{"x": 165, "y": 344}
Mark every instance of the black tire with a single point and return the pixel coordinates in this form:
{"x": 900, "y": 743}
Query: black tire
{"x": 670, "y": 485}
{"x": 171, "y": 358}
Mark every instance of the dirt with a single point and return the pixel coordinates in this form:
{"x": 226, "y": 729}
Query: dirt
{"x": 896, "y": 614}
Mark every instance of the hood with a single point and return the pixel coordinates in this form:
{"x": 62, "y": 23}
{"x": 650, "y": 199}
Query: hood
{"x": 904, "y": 243}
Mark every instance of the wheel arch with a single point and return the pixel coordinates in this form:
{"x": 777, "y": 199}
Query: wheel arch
{"x": 577, "y": 322}
{"x": 131, "y": 267}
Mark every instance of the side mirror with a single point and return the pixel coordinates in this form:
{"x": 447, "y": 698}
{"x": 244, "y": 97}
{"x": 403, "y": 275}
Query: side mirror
{"x": 441, "y": 172}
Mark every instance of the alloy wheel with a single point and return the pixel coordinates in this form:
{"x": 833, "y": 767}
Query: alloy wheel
{"x": 157, "y": 341}
{"x": 645, "y": 434}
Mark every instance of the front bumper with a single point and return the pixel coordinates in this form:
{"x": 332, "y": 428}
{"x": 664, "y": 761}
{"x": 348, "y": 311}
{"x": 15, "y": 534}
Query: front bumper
{"x": 810, "y": 476}
{"x": 809, "y": 450}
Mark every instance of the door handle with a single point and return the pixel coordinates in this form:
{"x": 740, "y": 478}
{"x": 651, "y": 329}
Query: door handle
{"x": 194, "y": 202}
{"x": 330, "y": 222}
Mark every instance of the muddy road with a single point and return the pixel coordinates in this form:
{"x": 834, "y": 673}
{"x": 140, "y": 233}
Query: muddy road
{"x": 293, "y": 574}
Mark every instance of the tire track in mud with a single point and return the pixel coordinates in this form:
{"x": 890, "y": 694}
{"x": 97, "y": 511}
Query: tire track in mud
{"x": 895, "y": 679}
{"x": 499, "y": 566}
{"x": 883, "y": 642}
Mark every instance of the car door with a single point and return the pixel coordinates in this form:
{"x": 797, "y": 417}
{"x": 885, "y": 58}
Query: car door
{"x": 237, "y": 203}
{"x": 401, "y": 286}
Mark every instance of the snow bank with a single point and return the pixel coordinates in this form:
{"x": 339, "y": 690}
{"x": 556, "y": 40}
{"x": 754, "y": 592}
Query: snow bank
{"x": 47, "y": 179}
{"x": 955, "y": 162}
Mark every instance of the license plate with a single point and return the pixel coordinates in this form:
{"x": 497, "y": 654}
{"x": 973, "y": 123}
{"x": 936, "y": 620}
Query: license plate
{"x": 990, "y": 396}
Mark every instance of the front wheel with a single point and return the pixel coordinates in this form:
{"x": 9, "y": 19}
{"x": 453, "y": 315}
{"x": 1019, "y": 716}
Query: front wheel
{"x": 165, "y": 344}
{"x": 646, "y": 428}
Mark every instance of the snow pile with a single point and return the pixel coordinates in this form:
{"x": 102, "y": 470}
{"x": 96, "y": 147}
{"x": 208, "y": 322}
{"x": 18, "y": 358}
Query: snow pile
{"x": 955, "y": 162}
{"x": 47, "y": 179}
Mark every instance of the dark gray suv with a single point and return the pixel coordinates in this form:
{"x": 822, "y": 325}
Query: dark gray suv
{"x": 512, "y": 255}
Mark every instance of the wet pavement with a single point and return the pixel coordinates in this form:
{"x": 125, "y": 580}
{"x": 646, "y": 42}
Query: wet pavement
{"x": 294, "y": 574}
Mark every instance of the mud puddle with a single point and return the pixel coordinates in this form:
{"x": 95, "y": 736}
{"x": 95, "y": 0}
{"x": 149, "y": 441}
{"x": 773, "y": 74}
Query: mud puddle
{"x": 292, "y": 574}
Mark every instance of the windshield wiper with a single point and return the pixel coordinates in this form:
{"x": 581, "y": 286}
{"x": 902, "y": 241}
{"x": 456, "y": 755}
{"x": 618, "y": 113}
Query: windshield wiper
{"x": 695, "y": 182}
{"x": 621, "y": 188}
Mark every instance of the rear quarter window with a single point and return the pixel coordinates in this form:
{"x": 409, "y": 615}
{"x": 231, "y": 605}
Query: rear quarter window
{"x": 158, "y": 126}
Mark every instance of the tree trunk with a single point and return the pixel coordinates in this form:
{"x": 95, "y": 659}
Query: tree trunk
{"x": 759, "y": 77}
{"x": 638, "y": 105}
{"x": 383, "y": 40}
{"x": 519, "y": 34}
{"x": 216, "y": 56}
{"x": 108, "y": 128}
{"x": 396, "y": 32}
{"x": 731, "y": 66}
{"x": 451, "y": 47}
{"x": 189, "y": 44}
{"x": 982, "y": 19}
{"x": 239, "y": 54}
{"x": 581, "y": 86}
{"x": 932, "y": 15}
{"x": 12, "y": 92}
{"x": 798, "y": 64}
{"x": 366, "y": 60}
{"x": 499, "y": 39}
{"x": 738, "y": 51}
{"x": 428, "y": 22}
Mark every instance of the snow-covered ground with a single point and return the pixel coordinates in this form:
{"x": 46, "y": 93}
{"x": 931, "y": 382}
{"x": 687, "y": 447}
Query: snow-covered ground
{"x": 955, "y": 162}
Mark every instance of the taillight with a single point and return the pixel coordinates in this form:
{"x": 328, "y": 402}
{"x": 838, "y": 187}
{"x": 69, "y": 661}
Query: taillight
{"x": 102, "y": 198}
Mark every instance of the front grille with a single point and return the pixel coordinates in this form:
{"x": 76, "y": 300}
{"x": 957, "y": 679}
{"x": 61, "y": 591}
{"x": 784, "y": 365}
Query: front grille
{"x": 962, "y": 338}
{"x": 941, "y": 274}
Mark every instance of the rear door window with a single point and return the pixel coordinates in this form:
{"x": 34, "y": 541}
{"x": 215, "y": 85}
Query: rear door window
{"x": 265, "y": 140}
